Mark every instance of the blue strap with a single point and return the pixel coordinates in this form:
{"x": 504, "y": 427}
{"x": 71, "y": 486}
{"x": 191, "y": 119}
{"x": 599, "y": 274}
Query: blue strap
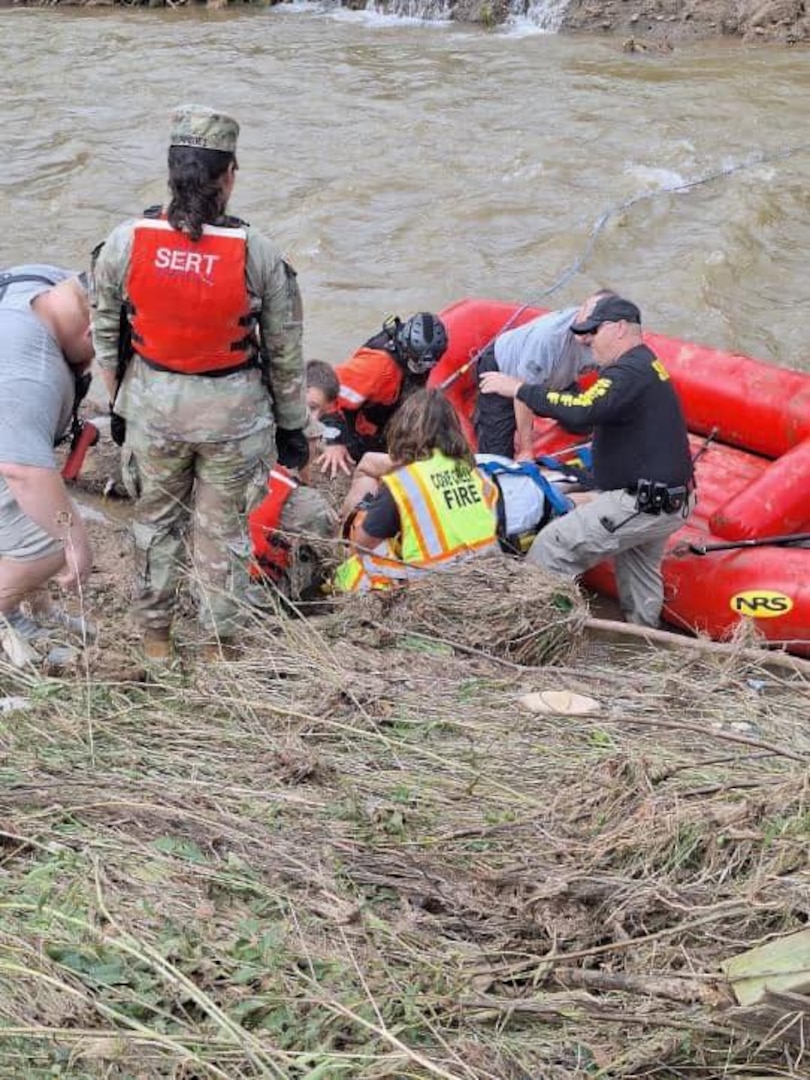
{"x": 558, "y": 502}
{"x": 580, "y": 468}
{"x": 583, "y": 460}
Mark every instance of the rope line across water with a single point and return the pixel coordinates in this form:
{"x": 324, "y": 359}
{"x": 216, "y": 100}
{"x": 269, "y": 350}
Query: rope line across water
{"x": 675, "y": 189}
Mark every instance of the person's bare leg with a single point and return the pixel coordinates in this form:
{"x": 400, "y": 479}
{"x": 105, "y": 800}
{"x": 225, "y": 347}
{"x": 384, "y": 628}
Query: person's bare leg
{"x": 21, "y": 579}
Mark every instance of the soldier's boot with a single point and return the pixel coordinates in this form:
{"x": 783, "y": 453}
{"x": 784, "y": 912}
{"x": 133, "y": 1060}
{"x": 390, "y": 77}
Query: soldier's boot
{"x": 156, "y": 644}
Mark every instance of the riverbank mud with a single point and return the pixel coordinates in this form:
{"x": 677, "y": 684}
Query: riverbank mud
{"x": 642, "y": 25}
{"x": 665, "y": 23}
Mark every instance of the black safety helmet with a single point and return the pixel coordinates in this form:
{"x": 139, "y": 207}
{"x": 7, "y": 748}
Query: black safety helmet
{"x": 421, "y": 341}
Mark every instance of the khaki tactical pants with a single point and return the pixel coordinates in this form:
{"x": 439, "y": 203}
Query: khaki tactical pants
{"x": 574, "y": 543}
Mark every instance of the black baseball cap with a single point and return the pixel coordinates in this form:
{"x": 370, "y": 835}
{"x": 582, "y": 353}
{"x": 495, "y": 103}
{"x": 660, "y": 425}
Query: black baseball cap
{"x": 608, "y": 309}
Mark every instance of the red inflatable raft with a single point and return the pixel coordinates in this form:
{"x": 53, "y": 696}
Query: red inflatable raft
{"x": 753, "y": 478}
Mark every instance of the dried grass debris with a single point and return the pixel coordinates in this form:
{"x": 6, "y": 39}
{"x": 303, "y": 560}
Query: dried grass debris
{"x": 494, "y": 606}
{"x": 331, "y": 860}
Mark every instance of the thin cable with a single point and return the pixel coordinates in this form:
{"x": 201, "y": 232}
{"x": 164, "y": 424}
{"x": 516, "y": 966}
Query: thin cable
{"x": 602, "y": 220}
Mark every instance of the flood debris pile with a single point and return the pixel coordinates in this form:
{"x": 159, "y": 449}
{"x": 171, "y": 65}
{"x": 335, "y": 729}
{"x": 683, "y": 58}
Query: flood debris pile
{"x": 368, "y": 859}
{"x": 500, "y": 607}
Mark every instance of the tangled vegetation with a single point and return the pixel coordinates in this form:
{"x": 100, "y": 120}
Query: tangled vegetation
{"x": 356, "y": 853}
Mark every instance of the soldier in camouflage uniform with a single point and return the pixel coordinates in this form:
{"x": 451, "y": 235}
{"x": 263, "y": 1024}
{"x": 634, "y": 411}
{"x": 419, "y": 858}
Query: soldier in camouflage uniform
{"x": 213, "y": 387}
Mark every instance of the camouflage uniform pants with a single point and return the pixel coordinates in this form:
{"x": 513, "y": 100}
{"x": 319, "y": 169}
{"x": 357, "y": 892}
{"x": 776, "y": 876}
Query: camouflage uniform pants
{"x": 192, "y": 497}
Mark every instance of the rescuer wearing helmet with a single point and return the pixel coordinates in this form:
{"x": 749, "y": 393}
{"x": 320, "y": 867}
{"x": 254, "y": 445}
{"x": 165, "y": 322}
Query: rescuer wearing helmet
{"x": 375, "y": 381}
{"x": 212, "y": 390}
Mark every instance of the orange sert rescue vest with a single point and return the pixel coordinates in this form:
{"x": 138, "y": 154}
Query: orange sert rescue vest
{"x": 270, "y": 551}
{"x": 188, "y": 302}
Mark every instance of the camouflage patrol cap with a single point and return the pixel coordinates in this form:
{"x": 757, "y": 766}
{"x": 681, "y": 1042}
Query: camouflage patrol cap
{"x": 205, "y": 129}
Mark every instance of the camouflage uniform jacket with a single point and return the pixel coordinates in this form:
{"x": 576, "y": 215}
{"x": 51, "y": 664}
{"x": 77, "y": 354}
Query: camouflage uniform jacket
{"x": 199, "y": 408}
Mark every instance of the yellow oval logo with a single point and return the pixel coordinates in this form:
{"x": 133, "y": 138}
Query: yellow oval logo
{"x": 761, "y": 604}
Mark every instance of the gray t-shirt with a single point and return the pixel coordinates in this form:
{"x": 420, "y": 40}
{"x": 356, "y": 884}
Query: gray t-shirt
{"x": 543, "y": 351}
{"x": 36, "y": 382}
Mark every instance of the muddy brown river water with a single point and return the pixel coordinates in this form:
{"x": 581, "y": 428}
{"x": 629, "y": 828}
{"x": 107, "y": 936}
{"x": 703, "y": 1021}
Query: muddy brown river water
{"x": 403, "y": 165}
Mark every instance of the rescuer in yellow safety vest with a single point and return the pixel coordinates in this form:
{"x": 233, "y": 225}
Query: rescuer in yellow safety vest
{"x": 435, "y": 508}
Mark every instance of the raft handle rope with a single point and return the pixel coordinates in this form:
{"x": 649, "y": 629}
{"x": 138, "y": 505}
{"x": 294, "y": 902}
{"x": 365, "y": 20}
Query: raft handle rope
{"x": 705, "y": 445}
{"x": 601, "y": 222}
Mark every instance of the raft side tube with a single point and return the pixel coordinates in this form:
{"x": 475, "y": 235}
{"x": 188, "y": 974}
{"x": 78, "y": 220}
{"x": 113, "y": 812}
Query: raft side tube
{"x": 766, "y": 586}
{"x": 712, "y": 594}
{"x": 752, "y": 404}
{"x": 776, "y": 503}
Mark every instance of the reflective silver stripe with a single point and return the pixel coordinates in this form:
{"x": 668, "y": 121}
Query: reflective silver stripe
{"x": 350, "y": 395}
{"x": 381, "y": 564}
{"x": 288, "y": 480}
{"x": 421, "y": 514}
{"x": 385, "y": 567}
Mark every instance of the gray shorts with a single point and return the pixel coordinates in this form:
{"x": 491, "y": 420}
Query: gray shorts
{"x": 20, "y": 537}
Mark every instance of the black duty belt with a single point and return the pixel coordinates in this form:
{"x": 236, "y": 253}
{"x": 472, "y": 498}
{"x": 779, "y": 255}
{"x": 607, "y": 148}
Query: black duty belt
{"x": 655, "y": 497}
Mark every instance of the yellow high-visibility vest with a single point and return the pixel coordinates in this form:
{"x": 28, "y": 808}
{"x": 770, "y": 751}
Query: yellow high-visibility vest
{"x": 447, "y": 512}
{"x": 378, "y": 569}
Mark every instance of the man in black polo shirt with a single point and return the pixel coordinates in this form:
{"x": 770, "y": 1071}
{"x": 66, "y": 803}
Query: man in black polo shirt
{"x": 641, "y": 462}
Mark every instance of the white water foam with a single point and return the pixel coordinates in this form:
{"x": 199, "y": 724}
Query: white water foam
{"x": 398, "y": 13}
{"x": 656, "y": 179}
{"x": 410, "y": 10}
{"x": 528, "y": 17}
{"x": 521, "y": 27}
